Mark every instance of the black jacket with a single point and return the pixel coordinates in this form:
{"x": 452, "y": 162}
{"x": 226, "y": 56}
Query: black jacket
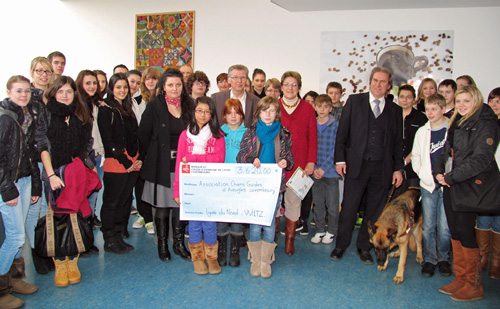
{"x": 17, "y": 151}
{"x": 64, "y": 142}
{"x": 118, "y": 133}
{"x": 471, "y": 145}
{"x": 412, "y": 123}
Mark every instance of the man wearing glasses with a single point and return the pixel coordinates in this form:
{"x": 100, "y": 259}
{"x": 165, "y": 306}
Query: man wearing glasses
{"x": 237, "y": 75}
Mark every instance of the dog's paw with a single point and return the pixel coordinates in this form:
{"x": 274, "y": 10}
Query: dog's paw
{"x": 381, "y": 268}
{"x": 394, "y": 254}
{"x": 398, "y": 279}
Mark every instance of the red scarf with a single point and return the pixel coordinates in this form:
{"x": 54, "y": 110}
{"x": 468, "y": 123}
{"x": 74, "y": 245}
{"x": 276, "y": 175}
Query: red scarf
{"x": 174, "y": 102}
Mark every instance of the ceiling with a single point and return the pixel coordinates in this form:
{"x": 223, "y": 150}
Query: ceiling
{"x": 340, "y": 5}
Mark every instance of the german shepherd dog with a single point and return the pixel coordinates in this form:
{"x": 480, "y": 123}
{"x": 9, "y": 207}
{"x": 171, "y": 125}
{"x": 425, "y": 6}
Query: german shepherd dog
{"x": 394, "y": 228}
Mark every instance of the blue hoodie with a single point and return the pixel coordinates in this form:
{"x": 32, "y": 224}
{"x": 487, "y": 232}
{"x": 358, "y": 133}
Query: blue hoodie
{"x": 232, "y": 140}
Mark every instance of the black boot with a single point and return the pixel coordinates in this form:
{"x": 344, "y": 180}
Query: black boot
{"x": 42, "y": 264}
{"x": 162, "y": 233}
{"x": 222, "y": 250}
{"x": 120, "y": 232}
{"x": 234, "y": 253}
{"x": 112, "y": 243}
{"x": 305, "y": 228}
{"x": 179, "y": 247}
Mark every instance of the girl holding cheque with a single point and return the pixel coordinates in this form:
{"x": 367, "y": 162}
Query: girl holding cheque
{"x": 203, "y": 141}
{"x": 266, "y": 141}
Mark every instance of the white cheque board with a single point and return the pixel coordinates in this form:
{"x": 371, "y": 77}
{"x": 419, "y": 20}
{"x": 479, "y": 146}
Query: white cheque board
{"x": 225, "y": 192}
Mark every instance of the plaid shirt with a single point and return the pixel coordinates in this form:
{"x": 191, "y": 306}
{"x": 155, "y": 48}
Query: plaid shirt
{"x": 336, "y": 112}
{"x": 326, "y": 148}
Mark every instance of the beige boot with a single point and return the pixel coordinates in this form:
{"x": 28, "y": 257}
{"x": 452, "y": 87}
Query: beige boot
{"x": 211, "y": 258}
{"x": 74, "y": 275}
{"x": 495, "y": 256}
{"x": 7, "y": 300}
{"x": 198, "y": 258}
{"x": 254, "y": 254}
{"x": 483, "y": 238}
{"x": 458, "y": 269}
{"x": 61, "y": 275}
{"x": 17, "y": 273}
{"x": 266, "y": 258}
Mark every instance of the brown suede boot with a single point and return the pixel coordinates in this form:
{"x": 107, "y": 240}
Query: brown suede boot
{"x": 211, "y": 258}
{"x": 473, "y": 289}
{"x": 17, "y": 275}
{"x": 289, "y": 236}
{"x": 7, "y": 300}
{"x": 266, "y": 259}
{"x": 277, "y": 228}
{"x": 254, "y": 254}
{"x": 483, "y": 238}
{"x": 198, "y": 258}
{"x": 495, "y": 256}
{"x": 61, "y": 276}
{"x": 458, "y": 269}
{"x": 74, "y": 275}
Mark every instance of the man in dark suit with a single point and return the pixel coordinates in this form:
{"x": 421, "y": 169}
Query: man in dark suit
{"x": 237, "y": 75}
{"x": 369, "y": 154}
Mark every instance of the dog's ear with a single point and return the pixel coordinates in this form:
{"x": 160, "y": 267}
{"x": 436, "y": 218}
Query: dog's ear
{"x": 372, "y": 228}
{"x": 392, "y": 233}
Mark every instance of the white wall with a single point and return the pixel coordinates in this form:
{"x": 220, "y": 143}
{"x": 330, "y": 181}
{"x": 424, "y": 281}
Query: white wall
{"x": 100, "y": 34}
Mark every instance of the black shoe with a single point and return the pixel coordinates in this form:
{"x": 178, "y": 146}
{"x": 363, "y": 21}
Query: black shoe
{"x": 96, "y": 223}
{"x": 162, "y": 226}
{"x": 244, "y": 242}
{"x": 93, "y": 250}
{"x": 113, "y": 245}
{"x": 234, "y": 250}
{"x": 179, "y": 247}
{"x": 299, "y": 226}
{"x": 365, "y": 256}
{"x": 428, "y": 269}
{"x": 444, "y": 268}
{"x": 337, "y": 254}
{"x": 125, "y": 233}
{"x": 222, "y": 250}
{"x": 305, "y": 229}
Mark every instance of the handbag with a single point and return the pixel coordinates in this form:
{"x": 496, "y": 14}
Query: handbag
{"x": 62, "y": 234}
{"x": 479, "y": 194}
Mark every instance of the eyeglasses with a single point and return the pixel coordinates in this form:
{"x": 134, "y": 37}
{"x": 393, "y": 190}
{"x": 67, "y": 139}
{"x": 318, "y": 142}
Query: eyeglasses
{"x": 201, "y": 112}
{"x": 197, "y": 83}
{"x": 240, "y": 78}
{"x": 41, "y": 72}
{"x": 268, "y": 111}
{"x": 290, "y": 85}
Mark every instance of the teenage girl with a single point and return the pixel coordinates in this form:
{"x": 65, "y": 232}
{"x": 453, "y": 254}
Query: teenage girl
{"x": 427, "y": 88}
{"x": 257, "y": 147}
{"x": 203, "y": 141}
{"x": 233, "y": 118}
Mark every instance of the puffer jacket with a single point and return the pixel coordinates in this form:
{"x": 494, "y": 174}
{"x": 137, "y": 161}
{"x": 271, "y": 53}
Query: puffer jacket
{"x": 17, "y": 152}
{"x": 471, "y": 145}
{"x": 250, "y": 148}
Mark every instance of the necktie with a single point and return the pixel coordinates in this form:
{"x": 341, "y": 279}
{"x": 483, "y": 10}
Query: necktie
{"x": 376, "y": 110}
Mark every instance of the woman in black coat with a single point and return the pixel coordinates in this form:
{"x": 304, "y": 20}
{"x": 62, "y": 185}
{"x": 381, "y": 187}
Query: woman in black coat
{"x": 162, "y": 123}
{"x": 471, "y": 144}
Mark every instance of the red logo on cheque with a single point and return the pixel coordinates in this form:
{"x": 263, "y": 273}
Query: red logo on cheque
{"x": 186, "y": 169}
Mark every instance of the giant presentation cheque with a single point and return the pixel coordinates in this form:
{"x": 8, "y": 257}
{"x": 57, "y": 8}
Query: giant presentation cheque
{"x": 225, "y": 192}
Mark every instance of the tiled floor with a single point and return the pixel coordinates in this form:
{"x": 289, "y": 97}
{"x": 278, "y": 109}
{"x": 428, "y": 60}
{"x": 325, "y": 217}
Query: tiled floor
{"x": 308, "y": 279}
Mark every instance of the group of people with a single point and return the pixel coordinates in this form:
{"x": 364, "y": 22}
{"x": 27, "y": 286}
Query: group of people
{"x": 133, "y": 130}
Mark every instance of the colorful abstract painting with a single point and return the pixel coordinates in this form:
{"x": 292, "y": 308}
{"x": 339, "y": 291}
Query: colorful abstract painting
{"x": 164, "y": 40}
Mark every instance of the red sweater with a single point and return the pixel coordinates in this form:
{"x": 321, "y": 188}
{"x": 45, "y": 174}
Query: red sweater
{"x": 302, "y": 124}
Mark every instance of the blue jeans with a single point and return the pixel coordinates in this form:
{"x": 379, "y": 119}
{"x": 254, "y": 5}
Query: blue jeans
{"x": 203, "y": 230}
{"x": 223, "y": 228}
{"x": 436, "y": 234}
{"x": 255, "y": 229}
{"x": 35, "y": 212}
{"x": 13, "y": 221}
{"x": 95, "y": 198}
{"x": 487, "y": 222}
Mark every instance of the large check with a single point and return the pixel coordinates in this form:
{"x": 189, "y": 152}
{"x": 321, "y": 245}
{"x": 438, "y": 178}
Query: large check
{"x": 225, "y": 192}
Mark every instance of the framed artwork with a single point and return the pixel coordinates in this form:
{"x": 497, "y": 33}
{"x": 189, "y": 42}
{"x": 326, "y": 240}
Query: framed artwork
{"x": 348, "y": 57}
{"x": 164, "y": 40}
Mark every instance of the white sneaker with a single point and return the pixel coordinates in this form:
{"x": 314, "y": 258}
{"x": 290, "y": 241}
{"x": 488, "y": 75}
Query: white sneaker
{"x": 328, "y": 238}
{"x": 150, "y": 227}
{"x": 317, "y": 238}
{"x": 139, "y": 223}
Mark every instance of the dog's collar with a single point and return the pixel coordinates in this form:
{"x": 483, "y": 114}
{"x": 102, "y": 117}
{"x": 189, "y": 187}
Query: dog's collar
{"x": 410, "y": 224}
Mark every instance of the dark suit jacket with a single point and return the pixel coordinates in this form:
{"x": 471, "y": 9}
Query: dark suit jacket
{"x": 352, "y": 137}
{"x": 250, "y": 106}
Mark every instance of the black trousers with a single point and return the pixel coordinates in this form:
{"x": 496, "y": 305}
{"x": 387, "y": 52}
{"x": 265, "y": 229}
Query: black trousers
{"x": 462, "y": 224}
{"x": 368, "y": 184}
{"x": 144, "y": 209}
{"x": 117, "y": 190}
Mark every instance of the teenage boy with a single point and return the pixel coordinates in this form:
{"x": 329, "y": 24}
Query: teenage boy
{"x": 427, "y": 147}
{"x": 334, "y": 91}
{"x": 447, "y": 89}
{"x": 58, "y": 62}
{"x": 326, "y": 180}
